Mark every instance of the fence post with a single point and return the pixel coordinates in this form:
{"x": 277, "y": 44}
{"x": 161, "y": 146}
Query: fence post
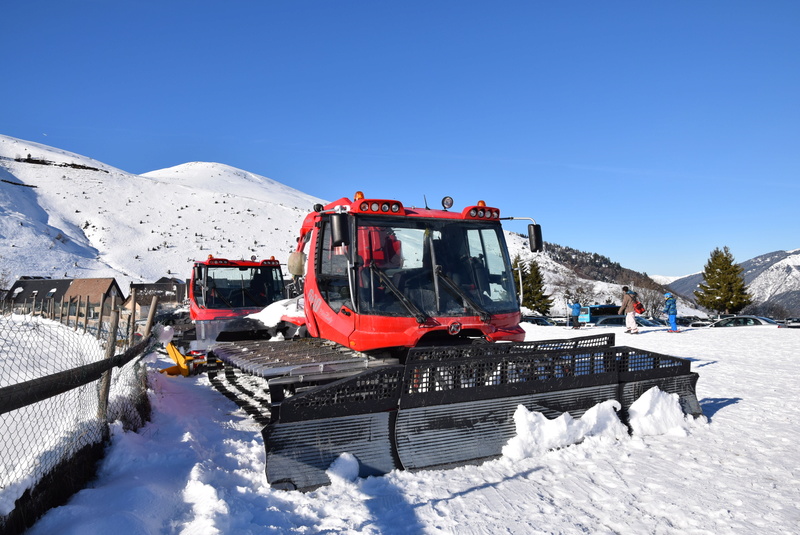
{"x": 105, "y": 380}
{"x": 150, "y": 316}
{"x": 113, "y": 308}
{"x": 78, "y": 312}
{"x": 86, "y": 315}
{"x": 100, "y": 317}
{"x": 132, "y": 319}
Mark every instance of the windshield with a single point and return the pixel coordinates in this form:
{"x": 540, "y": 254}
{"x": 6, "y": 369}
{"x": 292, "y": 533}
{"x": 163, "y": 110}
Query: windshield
{"x": 237, "y": 287}
{"x": 433, "y": 268}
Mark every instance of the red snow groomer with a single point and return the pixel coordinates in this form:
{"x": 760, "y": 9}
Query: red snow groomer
{"x": 414, "y": 356}
{"x": 222, "y": 292}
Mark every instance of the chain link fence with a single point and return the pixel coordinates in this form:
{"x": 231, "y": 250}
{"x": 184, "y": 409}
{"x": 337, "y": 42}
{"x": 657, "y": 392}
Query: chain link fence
{"x": 60, "y": 388}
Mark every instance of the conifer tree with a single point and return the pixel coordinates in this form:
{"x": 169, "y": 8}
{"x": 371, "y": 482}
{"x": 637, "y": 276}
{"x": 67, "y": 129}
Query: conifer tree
{"x": 723, "y": 289}
{"x": 533, "y": 295}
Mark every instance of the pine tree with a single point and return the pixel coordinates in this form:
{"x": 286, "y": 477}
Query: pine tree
{"x": 533, "y": 295}
{"x": 723, "y": 289}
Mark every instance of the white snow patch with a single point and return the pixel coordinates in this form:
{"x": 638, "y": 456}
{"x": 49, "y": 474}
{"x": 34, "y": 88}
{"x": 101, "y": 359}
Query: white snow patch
{"x": 537, "y": 434}
{"x": 657, "y": 413}
{"x": 343, "y": 470}
{"x": 271, "y": 315}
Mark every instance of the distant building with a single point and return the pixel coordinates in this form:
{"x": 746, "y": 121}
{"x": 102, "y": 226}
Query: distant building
{"x": 98, "y": 291}
{"x": 39, "y": 292}
{"x": 33, "y": 291}
{"x": 171, "y": 292}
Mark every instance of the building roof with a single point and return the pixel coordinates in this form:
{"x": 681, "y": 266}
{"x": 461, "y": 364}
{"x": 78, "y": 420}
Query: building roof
{"x": 94, "y": 288}
{"x": 27, "y": 288}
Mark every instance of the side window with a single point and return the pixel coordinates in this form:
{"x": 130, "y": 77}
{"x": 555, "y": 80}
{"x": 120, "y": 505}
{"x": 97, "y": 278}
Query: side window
{"x": 490, "y": 268}
{"x": 332, "y": 260}
{"x": 332, "y": 268}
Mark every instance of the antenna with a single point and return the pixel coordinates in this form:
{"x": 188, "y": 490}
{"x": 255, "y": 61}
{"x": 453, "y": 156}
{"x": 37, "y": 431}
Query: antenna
{"x": 426, "y": 201}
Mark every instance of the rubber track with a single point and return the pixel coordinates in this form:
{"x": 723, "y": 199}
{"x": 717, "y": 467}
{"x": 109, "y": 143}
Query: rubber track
{"x": 240, "y": 370}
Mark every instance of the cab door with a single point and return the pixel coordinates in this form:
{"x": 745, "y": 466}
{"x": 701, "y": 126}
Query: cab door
{"x": 331, "y": 302}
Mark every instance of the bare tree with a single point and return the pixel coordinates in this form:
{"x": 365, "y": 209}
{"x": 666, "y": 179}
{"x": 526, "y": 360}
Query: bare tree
{"x": 576, "y": 289}
{"x": 5, "y": 282}
{"x": 653, "y": 300}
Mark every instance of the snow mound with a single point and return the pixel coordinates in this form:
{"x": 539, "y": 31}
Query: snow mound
{"x": 343, "y": 470}
{"x": 654, "y": 413}
{"x": 536, "y": 434}
{"x": 272, "y": 314}
{"x": 658, "y": 413}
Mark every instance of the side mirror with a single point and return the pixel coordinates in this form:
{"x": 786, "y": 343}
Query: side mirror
{"x": 535, "y": 237}
{"x": 198, "y": 276}
{"x": 339, "y": 229}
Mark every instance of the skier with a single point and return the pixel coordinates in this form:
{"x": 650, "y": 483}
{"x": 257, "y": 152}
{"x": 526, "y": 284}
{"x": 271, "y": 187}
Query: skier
{"x": 628, "y": 299}
{"x": 671, "y": 310}
{"x": 576, "y": 311}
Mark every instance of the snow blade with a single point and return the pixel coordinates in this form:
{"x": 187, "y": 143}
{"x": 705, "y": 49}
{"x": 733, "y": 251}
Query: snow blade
{"x": 454, "y": 405}
{"x": 184, "y": 364}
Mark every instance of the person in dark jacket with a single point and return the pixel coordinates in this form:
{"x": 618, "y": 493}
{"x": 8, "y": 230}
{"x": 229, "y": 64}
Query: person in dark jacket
{"x": 671, "y": 310}
{"x": 628, "y": 299}
{"x": 576, "y": 311}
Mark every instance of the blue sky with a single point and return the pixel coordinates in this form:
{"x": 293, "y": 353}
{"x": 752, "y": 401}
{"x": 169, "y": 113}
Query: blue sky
{"x": 648, "y": 132}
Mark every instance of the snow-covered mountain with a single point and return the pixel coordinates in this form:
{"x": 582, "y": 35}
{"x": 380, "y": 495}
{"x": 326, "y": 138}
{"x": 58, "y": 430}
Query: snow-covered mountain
{"x": 64, "y": 215}
{"x": 67, "y": 216}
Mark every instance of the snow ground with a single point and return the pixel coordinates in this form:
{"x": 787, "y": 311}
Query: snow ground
{"x": 198, "y": 466}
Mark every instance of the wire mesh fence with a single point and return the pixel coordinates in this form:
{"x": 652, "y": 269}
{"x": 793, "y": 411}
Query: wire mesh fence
{"x": 60, "y": 388}
{"x": 79, "y": 313}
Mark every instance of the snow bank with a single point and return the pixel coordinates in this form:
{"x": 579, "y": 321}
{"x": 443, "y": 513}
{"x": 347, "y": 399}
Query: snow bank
{"x": 343, "y": 470}
{"x": 654, "y": 413}
{"x": 536, "y": 434}
{"x": 658, "y": 413}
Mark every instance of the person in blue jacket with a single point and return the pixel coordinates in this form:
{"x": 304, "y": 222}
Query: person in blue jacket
{"x": 671, "y": 310}
{"x": 576, "y": 311}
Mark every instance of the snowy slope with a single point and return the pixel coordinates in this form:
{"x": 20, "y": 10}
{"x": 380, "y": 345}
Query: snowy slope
{"x": 109, "y": 223}
{"x": 103, "y": 222}
{"x": 198, "y": 466}
{"x": 774, "y": 277}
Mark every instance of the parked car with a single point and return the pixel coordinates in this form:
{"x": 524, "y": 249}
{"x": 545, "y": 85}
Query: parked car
{"x": 745, "y": 321}
{"x": 792, "y": 322}
{"x": 538, "y": 320}
{"x": 686, "y": 321}
{"x": 619, "y": 321}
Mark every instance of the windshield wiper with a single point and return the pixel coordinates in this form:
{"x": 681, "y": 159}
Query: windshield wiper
{"x": 420, "y": 316}
{"x": 467, "y": 300}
